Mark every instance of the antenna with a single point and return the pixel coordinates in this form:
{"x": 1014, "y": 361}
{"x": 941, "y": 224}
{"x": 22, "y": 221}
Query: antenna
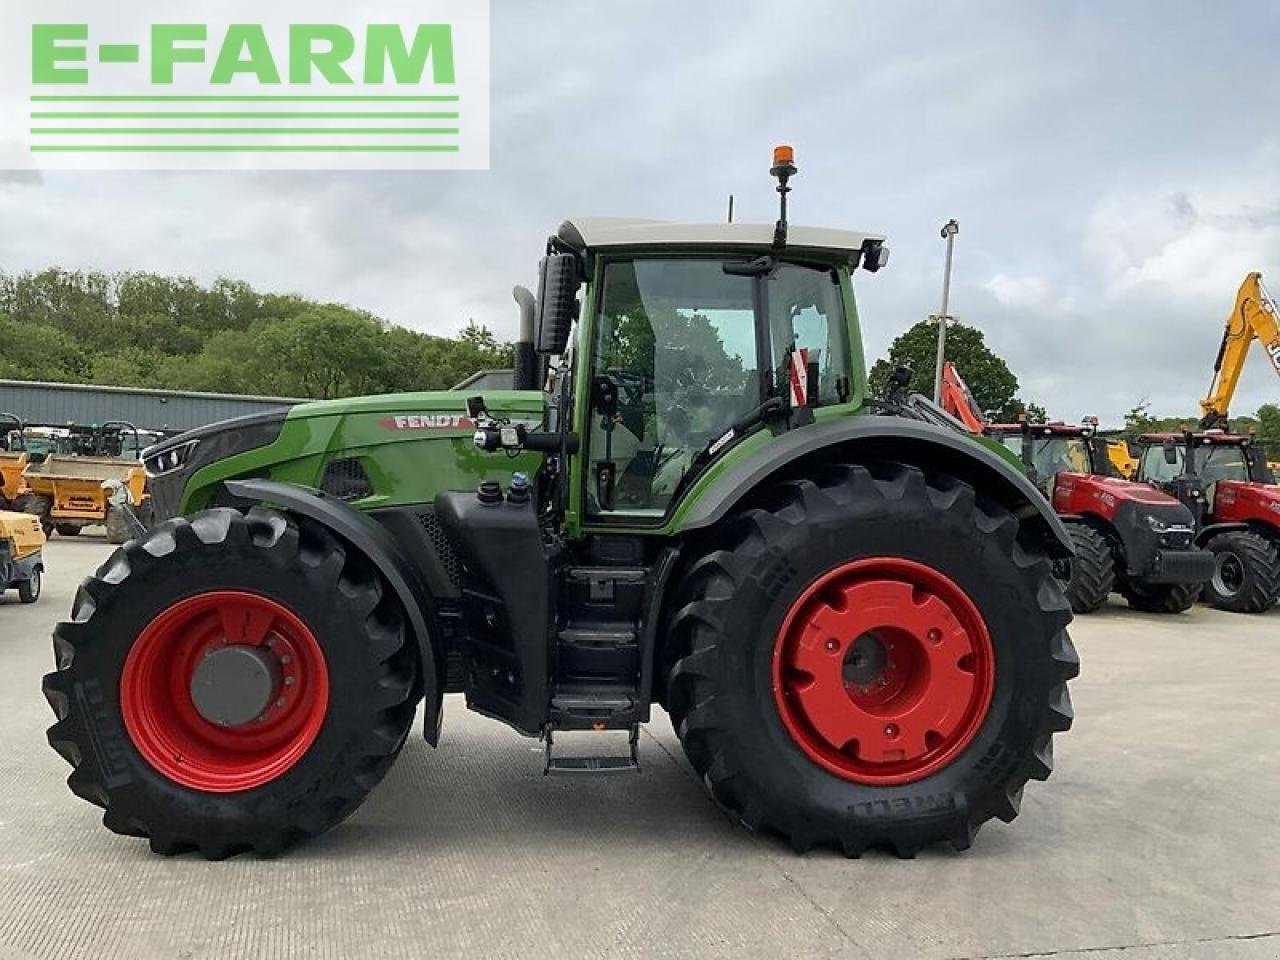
{"x": 784, "y": 168}
{"x": 730, "y": 208}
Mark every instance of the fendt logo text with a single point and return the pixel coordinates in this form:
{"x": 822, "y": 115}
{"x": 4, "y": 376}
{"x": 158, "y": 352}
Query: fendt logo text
{"x": 399, "y": 85}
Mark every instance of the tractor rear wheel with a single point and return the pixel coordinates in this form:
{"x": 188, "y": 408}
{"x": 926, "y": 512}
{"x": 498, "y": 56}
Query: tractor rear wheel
{"x": 1161, "y": 598}
{"x": 871, "y": 657}
{"x": 67, "y": 529}
{"x": 1246, "y": 576}
{"x": 231, "y": 683}
{"x": 1092, "y": 569}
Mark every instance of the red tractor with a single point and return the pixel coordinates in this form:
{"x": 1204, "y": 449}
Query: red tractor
{"x": 1233, "y": 497}
{"x": 1128, "y": 536}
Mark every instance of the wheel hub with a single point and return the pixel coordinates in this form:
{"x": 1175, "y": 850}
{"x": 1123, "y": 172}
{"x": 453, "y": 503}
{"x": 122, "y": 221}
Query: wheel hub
{"x": 883, "y": 671}
{"x": 235, "y": 685}
{"x": 224, "y": 691}
{"x": 1228, "y": 574}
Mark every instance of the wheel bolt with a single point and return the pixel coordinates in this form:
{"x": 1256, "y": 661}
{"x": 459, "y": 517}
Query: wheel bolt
{"x": 890, "y": 730}
{"x": 286, "y": 659}
{"x": 935, "y": 635}
{"x": 289, "y": 681}
{"x": 832, "y": 645}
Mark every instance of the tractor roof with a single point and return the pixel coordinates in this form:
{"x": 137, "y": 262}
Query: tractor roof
{"x": 600, "y": 232}
{"x": 1211, "y": 436}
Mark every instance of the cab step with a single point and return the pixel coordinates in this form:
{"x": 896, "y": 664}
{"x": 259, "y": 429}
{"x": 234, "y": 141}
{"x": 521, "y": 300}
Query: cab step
{"x": 627, "y": 763}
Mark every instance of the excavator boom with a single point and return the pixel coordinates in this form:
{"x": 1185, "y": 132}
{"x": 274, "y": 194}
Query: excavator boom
{"x": 1254, "y": 317}
{"x": 957, "y": 399}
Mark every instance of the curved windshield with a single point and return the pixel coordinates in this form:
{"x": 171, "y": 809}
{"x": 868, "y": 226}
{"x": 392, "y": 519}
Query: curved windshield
{"x": 677, "y": 345}
{"x": 1218, "y": 462}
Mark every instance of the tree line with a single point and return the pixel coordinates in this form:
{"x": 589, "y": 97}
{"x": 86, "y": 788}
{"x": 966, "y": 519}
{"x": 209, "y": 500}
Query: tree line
{"x": 147, "y": 330}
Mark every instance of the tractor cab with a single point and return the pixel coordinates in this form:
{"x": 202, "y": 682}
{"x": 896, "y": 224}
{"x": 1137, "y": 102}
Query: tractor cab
{"x": 1224, "y": 480}
{"x": 1222, "y": 464}
{"x": 1050, "y": 449}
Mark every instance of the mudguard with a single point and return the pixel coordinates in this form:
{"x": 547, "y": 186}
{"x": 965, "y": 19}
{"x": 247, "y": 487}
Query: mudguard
{"x": 891, "y": 438}
{"x": 371, "y": 539}
{"x": 1210, "y": 531}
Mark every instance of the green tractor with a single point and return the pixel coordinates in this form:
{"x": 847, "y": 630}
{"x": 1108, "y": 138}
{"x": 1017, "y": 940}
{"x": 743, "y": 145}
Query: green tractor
{"x": 851, "y": 618}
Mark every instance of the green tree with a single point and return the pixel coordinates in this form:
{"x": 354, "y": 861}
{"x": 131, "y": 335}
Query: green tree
{"x": 993, "y": 384}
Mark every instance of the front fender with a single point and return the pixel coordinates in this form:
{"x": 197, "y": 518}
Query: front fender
{"x": 888, "y": 438}
{"x": 371, "y": 539}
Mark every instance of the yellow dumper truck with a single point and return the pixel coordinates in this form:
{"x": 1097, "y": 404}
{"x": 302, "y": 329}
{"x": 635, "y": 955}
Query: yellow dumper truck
{"x": 70, "y": 491}
{"x": 21, "y": 555}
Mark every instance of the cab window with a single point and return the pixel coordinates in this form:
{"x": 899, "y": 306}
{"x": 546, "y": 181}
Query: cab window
{"x": 676, "y": 361}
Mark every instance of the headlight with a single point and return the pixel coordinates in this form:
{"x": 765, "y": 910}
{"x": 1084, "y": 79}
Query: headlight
{"x": 1158, "y": 525}
{"x": 169, "y": 459}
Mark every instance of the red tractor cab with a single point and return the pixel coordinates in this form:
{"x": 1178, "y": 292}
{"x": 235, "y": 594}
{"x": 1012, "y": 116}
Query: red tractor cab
{"x": 1235, "y": 502}
{"x": 1128, "y": 537}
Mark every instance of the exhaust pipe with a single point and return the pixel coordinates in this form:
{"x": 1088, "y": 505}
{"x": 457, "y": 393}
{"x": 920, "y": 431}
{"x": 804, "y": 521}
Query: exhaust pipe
{"x": 526, "y": 360}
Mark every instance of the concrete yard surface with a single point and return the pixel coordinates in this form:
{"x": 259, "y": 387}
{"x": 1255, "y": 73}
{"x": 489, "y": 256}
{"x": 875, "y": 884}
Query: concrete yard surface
{"x": 1155, "y": 838}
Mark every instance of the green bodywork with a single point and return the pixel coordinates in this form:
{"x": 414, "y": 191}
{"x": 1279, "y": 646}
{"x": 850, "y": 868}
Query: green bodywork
{"x": 408, "y": 458}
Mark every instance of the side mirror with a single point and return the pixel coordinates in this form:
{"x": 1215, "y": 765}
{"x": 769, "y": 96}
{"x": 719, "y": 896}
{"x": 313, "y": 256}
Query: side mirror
{"x": 1171, "y": 453}
{"x": 557, "y": 302}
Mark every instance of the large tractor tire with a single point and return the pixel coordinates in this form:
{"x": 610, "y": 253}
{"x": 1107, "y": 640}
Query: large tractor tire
{"x": 1161, "y": 598}
{"x": 231, "y": 683}
{"x": 871, "y": 658}
{"x": 1246, "y": 576}
{"x": 67, "y": 529}
{"x": 37, "y": 506}
{"x": 1092, "y": 574}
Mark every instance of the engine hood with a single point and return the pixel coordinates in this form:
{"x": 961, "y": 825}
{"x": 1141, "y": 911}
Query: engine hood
{"x": 1074, "y": 492}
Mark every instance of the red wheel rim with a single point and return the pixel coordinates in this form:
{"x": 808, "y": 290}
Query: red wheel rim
{"x": 160, "y": 713}
{"x": 883, "y": 671}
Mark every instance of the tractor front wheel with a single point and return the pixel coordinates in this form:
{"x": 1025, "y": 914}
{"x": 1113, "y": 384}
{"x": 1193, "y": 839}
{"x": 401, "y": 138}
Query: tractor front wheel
{"x": 231, "y": 683}
{"x": 872, "y": 657}
{"x": 1161, "y": 598}
{"x": 1092, "y": 570}
{"x": 1246, "y": 575}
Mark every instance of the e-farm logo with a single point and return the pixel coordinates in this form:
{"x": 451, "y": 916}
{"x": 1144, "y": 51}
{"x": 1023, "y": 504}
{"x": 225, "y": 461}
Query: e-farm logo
{"x": 377, "y": 85}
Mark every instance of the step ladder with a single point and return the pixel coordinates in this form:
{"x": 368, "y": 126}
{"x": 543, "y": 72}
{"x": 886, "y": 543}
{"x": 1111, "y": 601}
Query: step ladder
{"x": 628, "y": 763}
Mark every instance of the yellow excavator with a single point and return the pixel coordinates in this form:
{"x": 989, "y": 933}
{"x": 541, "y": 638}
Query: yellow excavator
{"x": 1254, "y": 317}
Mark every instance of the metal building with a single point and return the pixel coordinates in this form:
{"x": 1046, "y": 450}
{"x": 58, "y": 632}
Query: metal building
{"x": 171, "y": 411}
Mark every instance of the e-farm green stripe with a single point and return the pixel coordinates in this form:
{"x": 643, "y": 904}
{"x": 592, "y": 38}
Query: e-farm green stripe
{"x": 244, "y": 148}
{"x": 273, "y": 115}
{"x": 214, "y": 98}
{"x": 235, "y": 131}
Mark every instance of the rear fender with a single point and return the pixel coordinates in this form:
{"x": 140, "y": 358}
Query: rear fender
{"x": 371, "y": 539}
{"x": 888, "y": 438}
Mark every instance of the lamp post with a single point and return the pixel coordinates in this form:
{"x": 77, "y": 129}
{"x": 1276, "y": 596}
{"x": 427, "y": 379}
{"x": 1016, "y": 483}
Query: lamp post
{"x": 949, "y": 231}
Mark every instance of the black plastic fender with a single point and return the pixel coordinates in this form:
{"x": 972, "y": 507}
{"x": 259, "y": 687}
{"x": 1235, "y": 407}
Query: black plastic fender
{"x": 371, "y": 539}
{"x": 892, "y": 438}
{"x": 1207, "y": 533}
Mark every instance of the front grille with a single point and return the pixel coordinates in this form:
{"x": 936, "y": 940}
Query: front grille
{"x": 346, "y": 479}
{"x": 442, "y": 545}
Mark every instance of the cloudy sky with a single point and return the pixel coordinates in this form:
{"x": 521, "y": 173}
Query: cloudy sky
{"x": 1115, "y": 169}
